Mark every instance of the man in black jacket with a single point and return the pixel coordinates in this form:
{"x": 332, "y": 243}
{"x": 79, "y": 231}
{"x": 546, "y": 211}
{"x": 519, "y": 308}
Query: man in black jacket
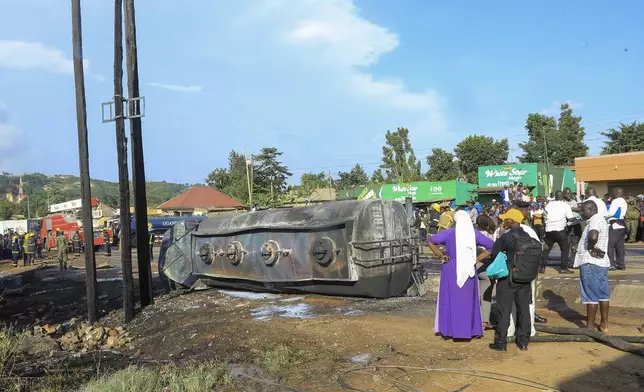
{"x": 507, "y": 293}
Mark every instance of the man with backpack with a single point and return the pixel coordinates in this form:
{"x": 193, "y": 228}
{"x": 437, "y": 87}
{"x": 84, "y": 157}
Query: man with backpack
{"x": 524, "y": 258}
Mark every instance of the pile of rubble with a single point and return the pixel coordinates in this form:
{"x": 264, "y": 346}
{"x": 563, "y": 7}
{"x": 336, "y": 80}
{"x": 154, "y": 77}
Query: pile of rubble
{"x": 80, "y": 336}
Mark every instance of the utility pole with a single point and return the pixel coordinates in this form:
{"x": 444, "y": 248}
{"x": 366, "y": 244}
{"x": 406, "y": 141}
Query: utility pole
{"x": 121, "y": 152}
{"x": 83, "y": 155}
{"x": 249, "y": 178}
{"x": 138, "y": 168}
{"x": 545, "y": 147}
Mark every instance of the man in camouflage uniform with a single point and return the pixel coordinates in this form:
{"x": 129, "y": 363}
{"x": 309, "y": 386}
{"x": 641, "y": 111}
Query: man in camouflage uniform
{"x": 61, "y": 248}
{"x": 632, "y": 218}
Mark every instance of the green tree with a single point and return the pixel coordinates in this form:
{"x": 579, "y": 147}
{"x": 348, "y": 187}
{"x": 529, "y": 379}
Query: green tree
{"x": 219, "y": 179}
{"x": 270, "y": 176}
{"x": 309, "y": 182}
{"x": 233, "y": 180}
{"x": 6, "y": 210}
{"x": 627, "y": 138}
{"x": 354, "y": 177}
{"x": 480, "y": 150}
{"x": 399, "y": 161}
{"x": 541, "y": 131}
{"x": 442, "y": 166}
{"x": 563, "y": 138}
{"x": 377, "y": 177}
{"x": 570, "y": 144}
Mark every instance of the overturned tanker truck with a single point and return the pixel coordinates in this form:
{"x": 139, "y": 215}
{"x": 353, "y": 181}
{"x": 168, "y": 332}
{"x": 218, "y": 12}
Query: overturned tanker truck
{"x": 351, "y": 248}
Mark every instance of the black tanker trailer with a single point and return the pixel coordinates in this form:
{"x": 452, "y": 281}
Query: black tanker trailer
{"x": 353, "y": 248}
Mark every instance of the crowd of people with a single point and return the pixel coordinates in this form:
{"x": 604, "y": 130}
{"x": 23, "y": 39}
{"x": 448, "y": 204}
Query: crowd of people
{"x": 521, "y": 230}
{"x": 27, "y": 247}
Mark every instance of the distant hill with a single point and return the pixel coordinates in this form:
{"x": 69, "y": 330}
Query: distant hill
{"x": 61, "y": 187}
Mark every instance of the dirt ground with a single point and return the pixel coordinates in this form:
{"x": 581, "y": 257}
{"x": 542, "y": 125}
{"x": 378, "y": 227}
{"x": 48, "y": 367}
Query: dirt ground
{"x": 334, "y": 344}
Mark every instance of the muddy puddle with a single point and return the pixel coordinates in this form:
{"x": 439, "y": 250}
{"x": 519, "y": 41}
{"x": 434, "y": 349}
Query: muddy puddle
{"x": 289, "y": 306}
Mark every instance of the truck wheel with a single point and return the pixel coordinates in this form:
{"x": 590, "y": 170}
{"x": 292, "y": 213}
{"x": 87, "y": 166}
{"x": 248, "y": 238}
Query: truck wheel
{"x": 133, "y": 240}
{"x": 96, "y": 248}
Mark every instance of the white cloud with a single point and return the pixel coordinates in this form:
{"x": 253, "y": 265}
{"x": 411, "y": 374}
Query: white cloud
{"x": 555, "y": 108}
{"x": 20, "y": 55}
{"x": 332, "y": 38}
{"x": 177, "y": 87}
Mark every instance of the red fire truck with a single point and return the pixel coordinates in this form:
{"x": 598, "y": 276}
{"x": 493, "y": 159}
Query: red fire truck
{"x": 68, "y": 225}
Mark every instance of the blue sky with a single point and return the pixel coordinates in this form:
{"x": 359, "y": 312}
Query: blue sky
{"x": 321, "y": 80}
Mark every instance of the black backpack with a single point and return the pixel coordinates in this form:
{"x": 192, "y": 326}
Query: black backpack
{"x": 527, "y": 259}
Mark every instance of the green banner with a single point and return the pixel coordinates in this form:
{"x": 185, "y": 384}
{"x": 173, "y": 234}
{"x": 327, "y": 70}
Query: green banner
{"x": 499, "y": 176}
{"x": 419, "y": 191}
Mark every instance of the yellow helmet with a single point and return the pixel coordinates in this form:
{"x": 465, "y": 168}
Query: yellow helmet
{"x": 149, "y": 224}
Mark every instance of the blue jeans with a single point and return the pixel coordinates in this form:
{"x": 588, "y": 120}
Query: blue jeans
{"x": 593, "y": 284}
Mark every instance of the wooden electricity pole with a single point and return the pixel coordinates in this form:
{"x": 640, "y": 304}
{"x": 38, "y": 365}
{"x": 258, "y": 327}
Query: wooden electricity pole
{"x": 138, "y": 169}
{"x": 121, "y": 152}
{"x": 83, "y": 155}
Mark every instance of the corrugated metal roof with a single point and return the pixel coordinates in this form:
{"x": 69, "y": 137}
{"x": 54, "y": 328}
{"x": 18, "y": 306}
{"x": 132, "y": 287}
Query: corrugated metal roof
{"x": 201, "y": 196}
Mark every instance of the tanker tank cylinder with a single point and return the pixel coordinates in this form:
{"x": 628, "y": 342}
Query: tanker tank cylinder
{"x": 235, "y": 252}
{"x": 271, "y": 253}
{"x": 207, "y": 253}
{"x": 324, "y": 251}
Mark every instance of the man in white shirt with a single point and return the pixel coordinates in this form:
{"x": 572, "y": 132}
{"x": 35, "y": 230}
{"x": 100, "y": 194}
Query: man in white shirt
{"x": 617, "y": 234}
{"x": 557, "y": 213}
{"x": 593, "y": 263}
{"x": 506, "y": 195}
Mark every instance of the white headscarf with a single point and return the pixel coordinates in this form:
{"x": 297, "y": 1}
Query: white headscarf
{"x": 465, "y": 247}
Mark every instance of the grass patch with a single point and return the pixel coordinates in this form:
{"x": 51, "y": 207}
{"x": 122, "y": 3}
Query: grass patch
{"x": 10, "y": 341}
{"x": 280, "y": 359}
{"x": 193, "y": 377}
{"x": 131, "y": 379}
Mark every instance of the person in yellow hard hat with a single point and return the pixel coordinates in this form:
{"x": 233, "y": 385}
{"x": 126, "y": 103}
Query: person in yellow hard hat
{"x": 30, "y": 248}
{"x": 16, "y": 246}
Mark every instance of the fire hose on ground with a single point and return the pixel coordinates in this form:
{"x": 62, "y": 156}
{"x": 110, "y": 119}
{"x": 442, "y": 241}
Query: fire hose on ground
{"x": 564, "y": 334}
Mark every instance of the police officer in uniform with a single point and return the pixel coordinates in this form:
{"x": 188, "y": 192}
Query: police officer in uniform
{"x": 61, "y": 248}
{"x": 76, "y": 242}
{"x": 107, "y": 242}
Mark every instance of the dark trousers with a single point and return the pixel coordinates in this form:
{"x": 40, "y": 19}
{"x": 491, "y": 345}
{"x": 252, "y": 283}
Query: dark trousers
{"x": 616, "y": 250}
{"x": 152, "y": 252}
{"x": 540, "y": 231}
{"x": 108, "y": 249}
{"x": 560, "y": 238}
{"x": 506, "y": 295}
{"x": 574, "y": 235}
{"x": 15, "y": 256}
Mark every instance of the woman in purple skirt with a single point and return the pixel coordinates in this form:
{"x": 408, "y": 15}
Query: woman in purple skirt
{"x": 458, "y": 311}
